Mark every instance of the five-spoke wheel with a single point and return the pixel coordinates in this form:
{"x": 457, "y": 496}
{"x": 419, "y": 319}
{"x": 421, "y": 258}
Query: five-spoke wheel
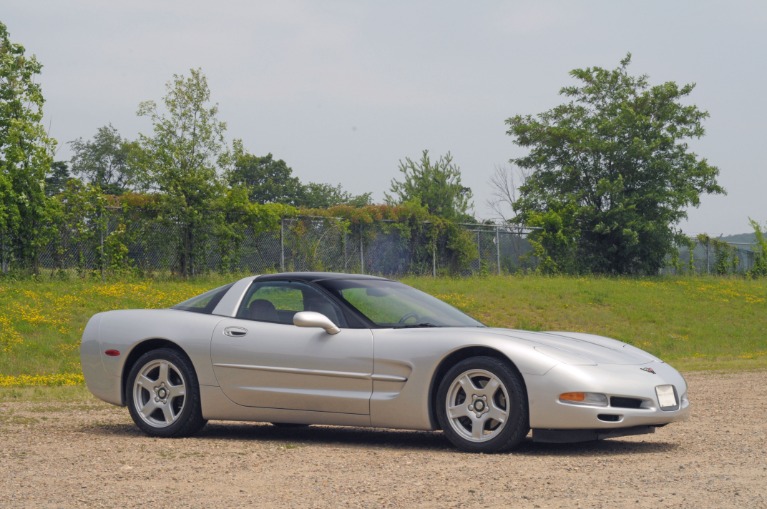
{"x": 163, "y": 394}
{"x": 482, "y": 405}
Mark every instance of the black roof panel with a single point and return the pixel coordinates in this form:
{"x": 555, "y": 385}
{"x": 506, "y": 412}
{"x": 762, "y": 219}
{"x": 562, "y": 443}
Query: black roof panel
{"x": 315, "y": 276}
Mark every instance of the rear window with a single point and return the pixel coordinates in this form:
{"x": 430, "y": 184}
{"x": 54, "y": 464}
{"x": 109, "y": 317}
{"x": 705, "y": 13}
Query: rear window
{"x": 204, "y": 303}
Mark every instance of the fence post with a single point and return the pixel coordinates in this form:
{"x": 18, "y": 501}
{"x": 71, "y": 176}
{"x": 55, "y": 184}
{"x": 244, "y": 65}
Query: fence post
{"x": 101, "y": 247}
{"x": 479, "y": 251}
{"x": 362, "y": 251}
{"x": 345, "y": 242}
{"x": 2, "y": 254}
{"x": 282, "y": 244}
{"x": 498, "y": 248}
{"x": 434, "y": 258}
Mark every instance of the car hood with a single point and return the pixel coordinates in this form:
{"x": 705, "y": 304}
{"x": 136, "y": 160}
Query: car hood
{"x": 578, "y": 348}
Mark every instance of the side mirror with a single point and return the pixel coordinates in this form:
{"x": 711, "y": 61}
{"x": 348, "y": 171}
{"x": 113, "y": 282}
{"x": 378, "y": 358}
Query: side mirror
{"x": 313, "y": 319}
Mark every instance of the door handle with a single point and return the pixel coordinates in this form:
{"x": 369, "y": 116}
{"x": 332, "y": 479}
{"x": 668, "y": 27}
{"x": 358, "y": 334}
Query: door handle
{"x": 235, "y": 332}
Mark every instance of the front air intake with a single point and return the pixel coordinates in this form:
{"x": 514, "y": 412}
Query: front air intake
{"x": 619, "y": 402}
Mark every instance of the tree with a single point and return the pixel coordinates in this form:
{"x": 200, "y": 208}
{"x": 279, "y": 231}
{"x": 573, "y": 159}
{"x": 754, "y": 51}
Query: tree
{"x": 25, "y": 157}
{"x": 181, "y": 162}
{"x": 105, "y": 161}
{"x": 243, "y": 218}
{"x": 56, "y": 178}
{"x": 759, "y": 268}
{"x": 321, "y": 196}
{"x": 82, "y": 224}
{"x": 271, "y": 181}
{"x": 614, "y": 165}
{"x": 266, "y": 180}
{"x": 437, "y": 186}
{"x": 505, "y": 184}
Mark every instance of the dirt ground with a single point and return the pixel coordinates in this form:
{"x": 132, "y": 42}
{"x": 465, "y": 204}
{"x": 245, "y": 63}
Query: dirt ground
{"x": 61, "y": 455}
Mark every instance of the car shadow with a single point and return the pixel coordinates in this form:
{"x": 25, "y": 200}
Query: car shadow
{"x": 614, "y": 446}
{"x": 338, "y": 436}
{"x": 435, "y": 441}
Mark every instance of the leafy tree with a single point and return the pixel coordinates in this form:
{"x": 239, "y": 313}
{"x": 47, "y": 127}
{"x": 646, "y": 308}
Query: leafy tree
{"x": 242, "y": 217}
{"x": 552, "y": 244}
{"x": 25, "y": 157}
{"x": 416, "y": 241}
{"x": 358, "y": 200}
{"x": 57, "y": 177}
{"x": 105, "y": 161}
{"x": 435, "y": 185}
{"x": 266, "y": 180}
{"x": 759, "y": 269}
{"x": 271, "y": 181}
{"x": 319, "y": 196}
{"x": 181, "y": 161}
{"x": 82, "y": 224}
{"x": 615, "y": 160}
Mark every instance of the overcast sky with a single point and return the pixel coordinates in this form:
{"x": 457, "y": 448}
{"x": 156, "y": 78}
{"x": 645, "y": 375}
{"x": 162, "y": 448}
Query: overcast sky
{"x": 343, "y": 90}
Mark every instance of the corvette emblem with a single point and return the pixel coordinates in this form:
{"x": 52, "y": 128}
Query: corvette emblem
{"x": 649, "y": 370}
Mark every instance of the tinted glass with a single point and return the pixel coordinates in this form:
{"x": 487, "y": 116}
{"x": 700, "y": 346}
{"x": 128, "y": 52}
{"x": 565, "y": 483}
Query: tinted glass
{"x": 279, "y": 301}
{"x": 392, "y": 304}
{"x": 204, "y": 303}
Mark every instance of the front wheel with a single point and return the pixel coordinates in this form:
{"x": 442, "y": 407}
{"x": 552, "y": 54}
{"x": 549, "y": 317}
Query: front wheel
{"x": 163, "y": 394}
{"x": 482, "y": 406}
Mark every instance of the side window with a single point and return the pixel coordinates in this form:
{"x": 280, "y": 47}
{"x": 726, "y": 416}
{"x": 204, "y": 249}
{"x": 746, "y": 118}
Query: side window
{"x": 204, "y": 303}
{"x": 278, "y": 301}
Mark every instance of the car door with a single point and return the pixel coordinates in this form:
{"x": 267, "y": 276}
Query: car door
{"x": 262, "y": 360}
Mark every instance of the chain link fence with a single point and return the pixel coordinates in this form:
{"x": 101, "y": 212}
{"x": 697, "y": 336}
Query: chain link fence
{"x": 322, "y": 244}
{"x": 298, "y": 244}
{"x": 712, "y": 257}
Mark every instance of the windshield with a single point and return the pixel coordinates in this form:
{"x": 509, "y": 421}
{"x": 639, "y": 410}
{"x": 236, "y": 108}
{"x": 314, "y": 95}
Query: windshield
{"x": 392, "y": 304}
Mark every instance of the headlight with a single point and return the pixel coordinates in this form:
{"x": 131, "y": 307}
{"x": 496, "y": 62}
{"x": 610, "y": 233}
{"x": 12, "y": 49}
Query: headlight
{"x": 583, "y": 398}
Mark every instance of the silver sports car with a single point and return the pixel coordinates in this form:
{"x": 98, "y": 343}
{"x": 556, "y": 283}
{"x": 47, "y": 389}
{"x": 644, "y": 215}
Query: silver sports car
{"x": 354, "y": 350}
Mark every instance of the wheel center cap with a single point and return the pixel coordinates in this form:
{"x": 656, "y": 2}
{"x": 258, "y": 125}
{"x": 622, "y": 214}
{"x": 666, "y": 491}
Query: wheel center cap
{"x": 479, "y": 405}
{"x": 162, "y": 393}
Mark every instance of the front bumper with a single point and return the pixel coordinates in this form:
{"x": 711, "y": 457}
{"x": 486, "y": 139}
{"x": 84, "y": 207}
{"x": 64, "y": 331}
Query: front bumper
{"x": 621, "y": 384}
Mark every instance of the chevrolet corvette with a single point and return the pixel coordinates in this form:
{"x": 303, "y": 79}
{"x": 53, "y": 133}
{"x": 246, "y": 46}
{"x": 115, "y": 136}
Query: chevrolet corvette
{"x": 354, "y": 350}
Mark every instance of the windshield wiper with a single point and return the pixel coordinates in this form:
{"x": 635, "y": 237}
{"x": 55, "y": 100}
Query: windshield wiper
{"x": 419, "y": 325}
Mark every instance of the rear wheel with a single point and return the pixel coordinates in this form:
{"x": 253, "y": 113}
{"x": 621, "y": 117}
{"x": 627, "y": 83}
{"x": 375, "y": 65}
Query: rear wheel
{"x": 164, "y": 395}
{"x": 482, "y": 406}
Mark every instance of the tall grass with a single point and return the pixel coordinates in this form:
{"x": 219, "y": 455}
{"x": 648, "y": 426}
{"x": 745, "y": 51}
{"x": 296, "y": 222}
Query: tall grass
{"x": 693, "y": 323}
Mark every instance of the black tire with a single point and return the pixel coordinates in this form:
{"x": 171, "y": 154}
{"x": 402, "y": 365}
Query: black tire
{"x": 489, "y": 406}
{"x": 163, "y": 394}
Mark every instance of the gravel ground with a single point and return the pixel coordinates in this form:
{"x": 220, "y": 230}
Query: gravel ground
{"x": 90, "y": 455}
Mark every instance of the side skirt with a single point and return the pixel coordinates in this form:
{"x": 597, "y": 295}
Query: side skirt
{"x": 216, "y": 406}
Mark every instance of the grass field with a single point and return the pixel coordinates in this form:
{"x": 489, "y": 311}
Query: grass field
{"x": 692, "y": 323}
